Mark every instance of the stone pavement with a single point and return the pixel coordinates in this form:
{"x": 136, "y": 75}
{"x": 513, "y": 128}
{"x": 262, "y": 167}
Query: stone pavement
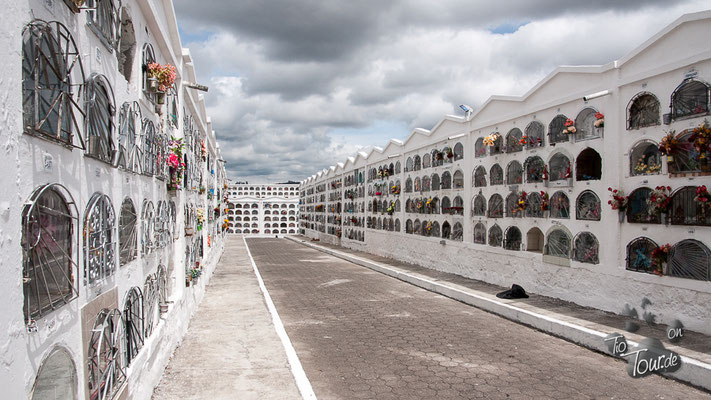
{"x": 231, "y": 350}
{"x": 360, "y": 334}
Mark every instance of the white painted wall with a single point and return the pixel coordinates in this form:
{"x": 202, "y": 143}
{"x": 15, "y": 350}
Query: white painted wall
{"x": 24, "y": 170}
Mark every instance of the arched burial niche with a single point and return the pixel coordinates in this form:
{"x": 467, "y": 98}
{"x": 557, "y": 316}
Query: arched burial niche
{"x": 643, "y": 110}
{"x": 690, "y": 259}
{"x": 586, "y": 248}
{"x": 534, "y": 135}
{"x": 639, "y": 255}
{"x": 496, "y": 175}
{"x": 585, "y": 125}
{"x": 480, "y": 176}
{"x": 479, "y": 233}
{"x": 52, "y": 75}
{"x": 126, "y": 45}
{"x": 691, "y": 98}
{"x": 513, "y": 238}
{"x": 588, "y": 165}
{"x": 49, "y": 250}
{"x": 495, "y": 236}
{"x": 107, "y": 370}
{"x": 534, "y": 240}
{"x": 514, "y": 141}
{"x": 56, "y": 378}
{"x": 645, "y": 159}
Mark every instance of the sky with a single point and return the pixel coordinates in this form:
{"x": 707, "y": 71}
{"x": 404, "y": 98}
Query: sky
{"x": 299, "y": 85}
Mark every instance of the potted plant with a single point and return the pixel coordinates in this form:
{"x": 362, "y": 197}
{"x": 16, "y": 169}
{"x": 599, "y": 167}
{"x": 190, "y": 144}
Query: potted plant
{"x": 160, "y": 77}
{"x": 569, "y": 127}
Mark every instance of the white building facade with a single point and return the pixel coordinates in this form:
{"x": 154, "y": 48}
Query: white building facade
{"x": 108, "y": 219}
{"x": 263, "y": 209}
{"x": 518, "y": 191}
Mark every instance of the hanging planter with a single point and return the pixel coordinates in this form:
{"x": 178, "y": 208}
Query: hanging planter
{"x": 160, "y": 97}
{"x": 621, "y": 216}
{"x": 189, "y": 231}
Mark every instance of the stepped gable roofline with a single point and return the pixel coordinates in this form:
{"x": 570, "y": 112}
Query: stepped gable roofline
{"x": 684, "y": 19}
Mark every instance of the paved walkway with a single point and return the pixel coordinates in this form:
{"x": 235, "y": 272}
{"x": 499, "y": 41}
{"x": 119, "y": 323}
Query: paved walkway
{"x": 231, "y": 350}
{"x": 360, "y": 334}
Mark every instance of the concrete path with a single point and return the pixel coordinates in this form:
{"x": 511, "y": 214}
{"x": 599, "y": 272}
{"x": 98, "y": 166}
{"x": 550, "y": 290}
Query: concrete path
{"x": 360, "y": 334}
{"x": 231, "y": 350}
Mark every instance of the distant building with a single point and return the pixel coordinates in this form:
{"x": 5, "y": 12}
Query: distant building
{"x": 517, "y": 191}
{"x": 263, "y": 209}
{"x": 103, "y": 240}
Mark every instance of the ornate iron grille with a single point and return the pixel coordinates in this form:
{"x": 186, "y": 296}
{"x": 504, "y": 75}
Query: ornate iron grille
{"x": 479, "y": 233}
{"x": 586, "y": 248}
{"x": 535, "y": 135}
{"x": 560, "y": 205}
{"x": 107, "y": 368}
{"x": 128, "y": 237}
{"x": 690, "y": 259}
{"x": 100, "y": 239}
{"x": 100, "y": 112}
{"x": 513, "y": 239}
{"x": 587, "y": 207}
{"x": 558, "y": 244}
{"x": 51, "y": 62}
{"x": 690, "y": 98}
{"x": 495, "y": 236}
{"x": 514, "y": 173}
{"x": 555, "y": 129}
{"x": 513, "y": 141}
{"x": 133, "y": 318}
{"x": 642, "y": 111}
{"x": 48, "y": 244}
{"x": 496, "y": 175}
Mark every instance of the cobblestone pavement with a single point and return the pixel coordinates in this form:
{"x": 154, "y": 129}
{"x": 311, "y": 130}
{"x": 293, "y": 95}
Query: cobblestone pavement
{"x": 362, "y": 335}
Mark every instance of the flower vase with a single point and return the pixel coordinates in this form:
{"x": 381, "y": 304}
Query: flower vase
{"x": 152, "y": 84}
{"x": 621, "y": 216}
{"x": 160, "y": 97}
{"x": 189, "y": 231}
{"x": 664, "y": 218}
{"x": 704, "y": 164}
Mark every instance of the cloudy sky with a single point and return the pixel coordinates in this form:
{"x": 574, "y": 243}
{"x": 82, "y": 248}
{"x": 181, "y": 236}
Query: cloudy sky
{"x": 298, "y": 85}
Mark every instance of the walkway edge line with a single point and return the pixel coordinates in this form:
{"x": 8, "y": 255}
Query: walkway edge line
{"x": 692, "y": 371}
{"x": 297, "y": 370}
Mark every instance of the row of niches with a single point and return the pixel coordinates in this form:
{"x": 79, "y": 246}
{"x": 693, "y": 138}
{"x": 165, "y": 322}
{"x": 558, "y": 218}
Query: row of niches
{"x": 358, "y": 207}
{"x": 51, "y": 233}
{"x": 264, "y": 188}
{"x": 355, "y": 234}
{"x": 256, "y": 205}
{"x": 266, "y": 225}
{"x": 335, "y": 196}
{"x": 353, "y": 221}
{"x": 266, "y": 218}
{"x": 256, "y": 212}
{"x": 334, "y": 219}
{"x": 589, "y": 124}
{"x": 434, "y": 158}
{"x": 356, "y": 178}
{"x": 254, "y": 231}
{"x": 354, "y": 193}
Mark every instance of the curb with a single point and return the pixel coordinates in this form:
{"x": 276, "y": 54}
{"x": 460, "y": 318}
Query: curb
{"x": 694, "y": 372}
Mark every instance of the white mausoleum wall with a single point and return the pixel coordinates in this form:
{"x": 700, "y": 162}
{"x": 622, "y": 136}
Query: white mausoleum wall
{"x": 29, "y": 162}
{"x": 659, "y": 66}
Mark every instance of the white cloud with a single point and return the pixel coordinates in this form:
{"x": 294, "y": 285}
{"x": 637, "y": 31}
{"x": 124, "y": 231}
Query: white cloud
{"x": 291, "y": 94}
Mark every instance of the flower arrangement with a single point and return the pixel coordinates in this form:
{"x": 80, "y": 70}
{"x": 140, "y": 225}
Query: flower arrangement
{"x": 669, "y": 144}
{"x": 545, "y": 173}
{"x": 524, "y": 140}
{"x": 660, "y": 256}
{"x": 200, "y": 214}
{"x": 648, "y": 168}
{"x": 599, "y": 120}
{"x": 429, "y": 203}
{"x": 419, "y": 204}
{"x": 569, "y": 127}
{"x": 702, "y": 196}
{"x": 567, "y": 172}
{"x": 701, "y": 139}
{"x": 378, "y": 193}
{"x": 354, "y": 220}
{"x": 659, "y": 200}
{"x": 491, "y": 139}
{"x": 545, "y": 201}
{"x": 619, "y": 200}
{"x": 523, "y": 201}
{"x": 175, "y": 162}
{"x": 429, "y": 226}
{"x": 448, "y": 152}
{"x": 391, "y": 208}
{"x": 319, "y": 207}
{"x": 395, "y": 189}
{"x": 165, "y": 74}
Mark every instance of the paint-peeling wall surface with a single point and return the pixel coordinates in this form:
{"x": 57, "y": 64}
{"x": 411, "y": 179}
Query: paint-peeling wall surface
{"x": 268, "y": 209}
{"x": 521, "y": 189}
{"x": 110, "y": 225}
